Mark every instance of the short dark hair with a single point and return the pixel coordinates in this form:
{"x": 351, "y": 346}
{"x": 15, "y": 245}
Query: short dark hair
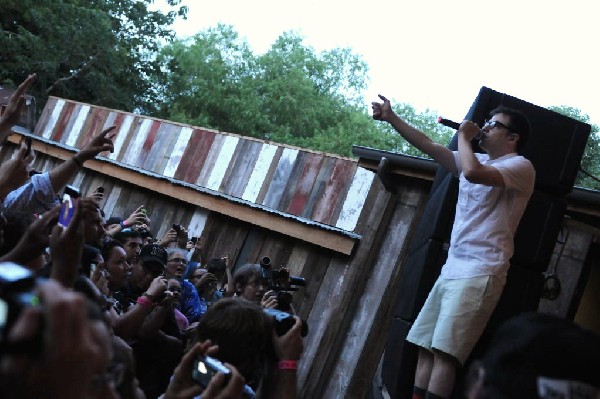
{"x": 126, "y": 234}
{"x": 532, "y": 345}
{"x": 242, "y": 331}
{"x": 108, "y": 247}
{"x": 243, "y": 275}
{"x": 519, "y": 124}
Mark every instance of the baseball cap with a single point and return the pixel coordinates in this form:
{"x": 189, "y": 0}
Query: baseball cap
{"x": 153, "y": 253}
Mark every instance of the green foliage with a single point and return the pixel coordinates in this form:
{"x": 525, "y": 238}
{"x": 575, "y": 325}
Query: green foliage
{"x": 591, "y": 155}
{"x": 100, "y": 52}
{"x": 291, "y": 94}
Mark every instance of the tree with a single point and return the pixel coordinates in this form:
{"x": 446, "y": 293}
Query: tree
{"x": 95, "y": 51}
{"x": 590, "y": 166}
{"x": 291, "y": 94}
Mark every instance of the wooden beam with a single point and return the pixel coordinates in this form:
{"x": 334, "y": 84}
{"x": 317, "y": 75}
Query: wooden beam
{"x": 312, "y": 232}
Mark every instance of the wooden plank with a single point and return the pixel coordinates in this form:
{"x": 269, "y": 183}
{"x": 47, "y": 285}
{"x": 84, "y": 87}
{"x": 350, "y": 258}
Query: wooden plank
{"x": 137, "y": 142}
{"x": 173, "y": 135}
{"x": 222, "y": 163}
{"x": 63, "y": 121}
{"x": 280, "y": 178}
{"x": 355, "y": 199}
{"x": 260, "y": 172}
{"x": 338, "y": 295}
{"x": 156, "y": 148}
{"x": 53, "y": 119}
{"x": 318, "y": 188}
{"x": 269, "y": 175}
{"x": 184, "y": 140}
{"x": 336, "y": 187}
{"x": 242, "y": 165}
{"x": 78, "y": 122}
{"x": 304, "y": 184}
{"x": 146, "y": 143}
{"x": 194, "y": 159}
{"x": 367, "y": 333}
{"x": 92, "y": 125}
{"x": 45, "y": 116}
{"x": 112, "y": 196}
{"x": 121, "y": 136}
{"x": 198, "y": 222}
{"x": 211, "y": 160}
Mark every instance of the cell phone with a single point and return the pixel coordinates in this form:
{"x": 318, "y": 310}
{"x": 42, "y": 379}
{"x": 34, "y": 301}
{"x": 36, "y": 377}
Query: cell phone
{"x": 67, "y": 208}
{"x": 92, "y": 269}
{"x": 177, "y": 228}
{"x": 205, "y": 367}
{"x": 100, "y": 189}
{"x": 194, "y": 239}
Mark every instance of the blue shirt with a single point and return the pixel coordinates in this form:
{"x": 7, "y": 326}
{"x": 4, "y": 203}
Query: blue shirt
{"x": 35, "y": 196}
{"x": 189, "y": 302}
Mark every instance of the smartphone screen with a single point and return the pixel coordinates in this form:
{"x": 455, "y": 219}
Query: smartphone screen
{"x": 67, "y": 208}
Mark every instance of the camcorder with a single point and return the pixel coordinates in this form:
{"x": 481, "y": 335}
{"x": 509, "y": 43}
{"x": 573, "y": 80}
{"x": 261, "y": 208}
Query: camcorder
{"x": 282, "y": 322}
{"x": 17, "y": 286}
{"x": 280, "y": 282}
{"x": 205, "y": 367}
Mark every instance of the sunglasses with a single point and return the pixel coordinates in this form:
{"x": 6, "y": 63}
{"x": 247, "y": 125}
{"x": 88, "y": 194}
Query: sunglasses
{"x": 496, "y": 124}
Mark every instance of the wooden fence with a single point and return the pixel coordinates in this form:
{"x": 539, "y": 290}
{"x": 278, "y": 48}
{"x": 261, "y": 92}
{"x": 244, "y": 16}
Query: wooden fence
{"x": 327, "y": 219}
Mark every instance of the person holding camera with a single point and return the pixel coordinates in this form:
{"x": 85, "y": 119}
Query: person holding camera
{"x": 189, "y": 302}
{"x": 494, "y": 189}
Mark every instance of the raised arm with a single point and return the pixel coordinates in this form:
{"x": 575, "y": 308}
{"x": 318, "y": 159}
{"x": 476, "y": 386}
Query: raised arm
{"x": 441, "y": 154}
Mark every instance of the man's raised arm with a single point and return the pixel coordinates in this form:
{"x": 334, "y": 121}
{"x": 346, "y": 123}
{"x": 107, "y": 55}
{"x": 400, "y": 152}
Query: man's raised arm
{"x": 441, "y": 154}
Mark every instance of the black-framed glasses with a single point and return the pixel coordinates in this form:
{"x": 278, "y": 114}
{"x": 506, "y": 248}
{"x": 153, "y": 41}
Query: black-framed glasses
{"x": 495, "y": 124}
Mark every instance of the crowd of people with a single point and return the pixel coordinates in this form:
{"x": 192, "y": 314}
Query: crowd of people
{"x": 97, "y": 307}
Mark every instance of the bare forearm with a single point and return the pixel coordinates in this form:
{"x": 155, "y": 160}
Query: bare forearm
{"x": 128, "y": 324}
{"x": 62, "y": 174}
{"x": 152, "y": 323}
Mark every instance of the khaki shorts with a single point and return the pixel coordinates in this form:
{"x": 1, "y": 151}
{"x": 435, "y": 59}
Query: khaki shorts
{"x": 455, "y": 315}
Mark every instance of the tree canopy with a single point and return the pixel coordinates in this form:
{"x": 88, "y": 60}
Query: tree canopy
{"x": 291, "y": 94}
{"x": 96, "y": 51}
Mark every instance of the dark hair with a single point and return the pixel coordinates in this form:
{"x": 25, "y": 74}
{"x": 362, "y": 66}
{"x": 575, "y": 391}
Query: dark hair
{"x": 519, "y": 124}
{"x": 126, "y": 234}
{"x": 17, "y": 224}
{"x": 242, "y": 331}
{"x": 88, "y": 257}
{"x": 243, "y": 275}
{"x": 533, "y": 345}
{"x": 108, "y": 247}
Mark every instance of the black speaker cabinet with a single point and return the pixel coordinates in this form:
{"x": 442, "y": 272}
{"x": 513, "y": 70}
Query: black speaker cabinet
{"x": 399, "y": 361}
{"x": 421, "y": 269}
{"x": 438, "y": 215}
{"x": 536, "y": 235}
{"x": 556, "y": 144}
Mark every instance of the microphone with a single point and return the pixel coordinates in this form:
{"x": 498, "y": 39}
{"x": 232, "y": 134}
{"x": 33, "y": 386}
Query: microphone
{"x": 456, "y": 125}
{"x": 448, "y": 123}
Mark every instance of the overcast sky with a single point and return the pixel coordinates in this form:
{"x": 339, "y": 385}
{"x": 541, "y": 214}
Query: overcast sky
{"x": 437, "y": 54}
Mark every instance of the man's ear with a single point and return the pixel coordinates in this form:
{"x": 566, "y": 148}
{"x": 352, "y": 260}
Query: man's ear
{"x": 514, "y": 137}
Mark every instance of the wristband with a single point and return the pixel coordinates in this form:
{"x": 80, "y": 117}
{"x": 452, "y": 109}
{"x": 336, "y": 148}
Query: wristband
{"x": 123, "y": 223}
{"x": 144, "y": 301}
{"x": 287, "y": 365}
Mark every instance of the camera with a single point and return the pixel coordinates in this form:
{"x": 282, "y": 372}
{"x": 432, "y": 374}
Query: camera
{"x": 67, "y": 207}
{"x": 205, "y": 367}
{"x": 280, "y": 282}
{"x": 177, "y": 228}
{"x": 194, "y": 240}
{"x": 17, "y": 285}
{"x": 282, "y": 322}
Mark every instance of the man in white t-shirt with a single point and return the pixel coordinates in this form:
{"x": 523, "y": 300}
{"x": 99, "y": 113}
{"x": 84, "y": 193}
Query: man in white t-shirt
{"x": 494, "y": 189}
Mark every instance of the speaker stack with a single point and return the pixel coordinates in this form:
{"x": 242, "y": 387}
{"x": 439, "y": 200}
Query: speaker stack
{"x": 555, "y": 149}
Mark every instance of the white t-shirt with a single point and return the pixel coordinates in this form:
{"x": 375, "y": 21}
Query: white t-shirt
{"x": 487, "y": 217}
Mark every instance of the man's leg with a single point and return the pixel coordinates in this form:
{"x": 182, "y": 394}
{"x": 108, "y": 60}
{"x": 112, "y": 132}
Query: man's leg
{"x": 443, "y": 374}
{"x": 423, "y": 373}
